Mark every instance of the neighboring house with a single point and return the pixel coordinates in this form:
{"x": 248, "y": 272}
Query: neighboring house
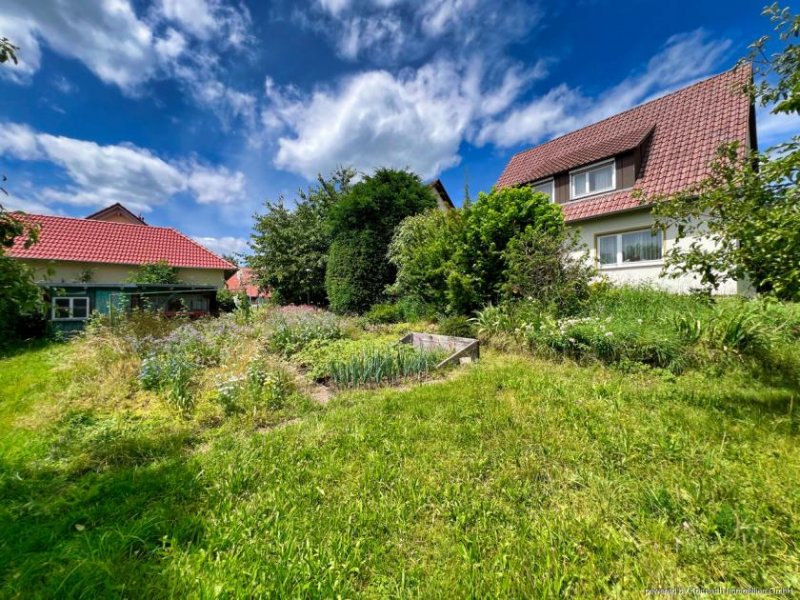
{"x": 243, "y": 281}
{"x": 85, "y": 265}
{"x": 660, "y": 147}
{"x": 443, "y": 200}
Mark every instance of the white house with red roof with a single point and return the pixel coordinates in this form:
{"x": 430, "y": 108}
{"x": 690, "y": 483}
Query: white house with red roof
{"x": 86, "y": 265}
{"x": 244, "y": 282}
{"x": 660, "y": 147}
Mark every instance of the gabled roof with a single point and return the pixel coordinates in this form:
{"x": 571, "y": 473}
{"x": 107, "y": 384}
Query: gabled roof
{"x": 678, "y": 133}
{"x": 243, "y": 280}
{"x": 116, "y": 209}
{"x": 442, "y": 197}
{"x": 87, "y": 240}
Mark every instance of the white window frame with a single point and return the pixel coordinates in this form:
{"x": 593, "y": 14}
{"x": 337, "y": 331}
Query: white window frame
{"x": 71, "y": 308}
{"x": 620, "y": 263}
{"x": 592, "y": 167}
{"x": 552, "y": 183}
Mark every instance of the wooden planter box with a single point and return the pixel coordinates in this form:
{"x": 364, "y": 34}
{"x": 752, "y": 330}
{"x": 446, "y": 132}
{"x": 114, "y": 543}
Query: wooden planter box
{"x": 457, "y": 346}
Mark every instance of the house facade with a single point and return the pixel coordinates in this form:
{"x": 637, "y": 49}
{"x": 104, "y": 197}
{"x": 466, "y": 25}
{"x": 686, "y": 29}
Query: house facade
{"x": 244, "y": 282}
{"x": 660, "y": 147}
{"x": 85, "y": 265}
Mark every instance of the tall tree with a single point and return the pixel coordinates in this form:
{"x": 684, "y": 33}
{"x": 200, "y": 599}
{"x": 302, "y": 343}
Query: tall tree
{"x": 290, "y": 246}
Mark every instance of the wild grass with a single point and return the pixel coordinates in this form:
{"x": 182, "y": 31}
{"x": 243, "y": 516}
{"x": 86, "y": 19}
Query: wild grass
{"x": 517, "y": 477}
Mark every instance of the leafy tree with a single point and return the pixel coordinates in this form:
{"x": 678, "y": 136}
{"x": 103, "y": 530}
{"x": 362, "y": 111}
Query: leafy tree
{"x": 424, "y": 250}
{"x": 157, "y": 272}
{"x": 457, "y": 261}
{"x": 369, "y": 214}
{"x": 749, "y": 206}
{"x": 492, "y": 222}
{"x": 290, "y": 247}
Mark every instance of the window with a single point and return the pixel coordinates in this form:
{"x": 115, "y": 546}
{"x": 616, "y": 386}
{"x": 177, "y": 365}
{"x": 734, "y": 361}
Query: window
{"x": 628, "y": 247}
{"x": 594, "y": 179}
{"x": 546, "y": 187}
{"x": 70, "y": 309}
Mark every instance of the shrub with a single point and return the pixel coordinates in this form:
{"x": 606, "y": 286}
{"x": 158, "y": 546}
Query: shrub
{"x": 457, "y": 326}
{"x": 157, "y": 272}
{"x": 258, "y": 390}
{"x": 357, "y": 272}
{"x": 383, "y": 314}
{"x": 552, "y": 269}
{"x": 290, "y": 332}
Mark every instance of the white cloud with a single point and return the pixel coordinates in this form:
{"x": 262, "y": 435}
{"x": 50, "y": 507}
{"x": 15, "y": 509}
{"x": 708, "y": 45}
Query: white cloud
{"x": 179, "y": 39}
{"x": 391, "y": 31}
{"x": 684, "y": 59}
{"x": 775, "y": 128}
{"x": 224, "y": 245}
{"x": 100, "y": 175}
{"x": 416, "y": 119}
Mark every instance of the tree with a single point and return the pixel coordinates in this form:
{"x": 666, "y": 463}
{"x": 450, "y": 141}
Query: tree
{"x": 8, "y": 51}
{"x": 458, "y": 261}
{"x": 492, "y": 222}
{"x": 748, "y": 208}
{"x": 369, "y": 213}
{"x": 290, "y": 247}
{"x": 157, "y": 272}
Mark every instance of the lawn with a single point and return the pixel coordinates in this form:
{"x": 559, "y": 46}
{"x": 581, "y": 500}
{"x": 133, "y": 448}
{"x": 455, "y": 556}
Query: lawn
{"x": 513, "y": 477}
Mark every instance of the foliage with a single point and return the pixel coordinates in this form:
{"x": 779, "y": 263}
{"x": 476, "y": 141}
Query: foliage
{"x": 377, "y": 364}
{"x": 289, "y": 331}
{"x": 548, "y": 268}
{"x": 226, "y": 299}
{"x": 154, "y": 273}
{"x": 749, "y": 206}
{"x": 424, "y": 250}
{"x": 457, "y": 326}
{"x": 492, "y": 222}
{"x": 357, "y": 272}
{"x": 363, "y": 222}
{"x": 20, "y": 298}
{"x": 457, "y": 261}
{"x": 8, "y": 51}
{"x": 258, "y": 388}
{"x": 380, "y": 314}
{"x": 290, "y": 247}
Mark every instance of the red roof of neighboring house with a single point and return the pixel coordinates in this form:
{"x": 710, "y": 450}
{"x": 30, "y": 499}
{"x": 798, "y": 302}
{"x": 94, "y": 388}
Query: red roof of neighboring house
{"x": 242, "y": 280}
{"x": 679, "y": 134}
{"x": 87, "y": 240}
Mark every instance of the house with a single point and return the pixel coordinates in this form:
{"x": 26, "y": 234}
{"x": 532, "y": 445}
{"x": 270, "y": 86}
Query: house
{"x": 660, "y": 147}
{"x": 244, "y": 281}
{"x": 85, "y": 265}
{"x": 443, "y": 200}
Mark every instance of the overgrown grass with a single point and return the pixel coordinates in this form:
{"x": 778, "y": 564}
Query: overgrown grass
{"x": 518, "y": 477}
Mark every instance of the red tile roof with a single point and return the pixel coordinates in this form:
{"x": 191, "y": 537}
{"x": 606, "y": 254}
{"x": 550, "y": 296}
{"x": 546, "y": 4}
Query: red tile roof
{"x": 87, "y": 240}
{"x": 685, "y": 128}
{"x": 242, "y": 280}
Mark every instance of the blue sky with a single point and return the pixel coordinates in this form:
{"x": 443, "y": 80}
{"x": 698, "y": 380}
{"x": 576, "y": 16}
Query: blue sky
{"x": 193, "y": 112}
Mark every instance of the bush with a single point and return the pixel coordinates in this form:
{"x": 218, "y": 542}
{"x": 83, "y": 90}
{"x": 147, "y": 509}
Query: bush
{"x": 289, "y": 332}
{"x": 258, "y": 390}
{"x": 357, "y": 272}
{"x": 552, "y": 269}
{"x": 383, "y": 314}
{"x": 457, "y": 326}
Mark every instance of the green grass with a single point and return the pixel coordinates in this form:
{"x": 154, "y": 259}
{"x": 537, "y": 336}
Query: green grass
{"x": 514, "y": 478}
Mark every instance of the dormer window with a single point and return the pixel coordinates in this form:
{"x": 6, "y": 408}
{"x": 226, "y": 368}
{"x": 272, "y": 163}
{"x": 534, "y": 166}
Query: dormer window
{"x": 546, "y": 187}
{"x": 594, "y": 179}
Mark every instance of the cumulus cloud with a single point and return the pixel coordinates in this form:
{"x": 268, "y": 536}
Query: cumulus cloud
{"x": 178, "y": 39}
{"x": 684, "y": 59}
{"x": 100, "y": 175}
{"x": 775, "y": 128}
{"x": 415, "y": 119}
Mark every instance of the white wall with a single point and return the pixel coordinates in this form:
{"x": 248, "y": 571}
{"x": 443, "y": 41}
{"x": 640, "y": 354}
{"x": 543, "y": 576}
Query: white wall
{"x": 651, "y": 272}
